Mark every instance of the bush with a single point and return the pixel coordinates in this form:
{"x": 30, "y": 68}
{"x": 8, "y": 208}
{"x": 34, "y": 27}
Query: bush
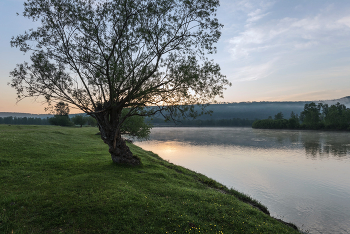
{"x": 79, "y": 120}
{"x": 91, "y": 121}
{"x": 60, "y": 120}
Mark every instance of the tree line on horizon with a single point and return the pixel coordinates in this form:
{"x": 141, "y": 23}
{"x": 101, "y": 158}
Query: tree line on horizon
{"x": 24, "y": 120}
{"x": 56, "y": 120}
{"x": 314, "y": 117}
{"x": 60, "y": 118}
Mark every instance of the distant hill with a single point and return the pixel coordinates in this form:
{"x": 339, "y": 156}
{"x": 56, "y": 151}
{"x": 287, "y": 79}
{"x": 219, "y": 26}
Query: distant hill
{"x": 262, "y": 110}
{"x": 243, "y": 110}
{"x": 21, "y": 115}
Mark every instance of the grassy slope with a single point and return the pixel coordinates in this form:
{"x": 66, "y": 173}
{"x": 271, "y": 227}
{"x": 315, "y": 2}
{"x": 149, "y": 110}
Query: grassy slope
{"x": 62, "y": 180}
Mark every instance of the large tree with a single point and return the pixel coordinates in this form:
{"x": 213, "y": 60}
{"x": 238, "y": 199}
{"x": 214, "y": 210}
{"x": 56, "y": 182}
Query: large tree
{"x": 103, "y": 56}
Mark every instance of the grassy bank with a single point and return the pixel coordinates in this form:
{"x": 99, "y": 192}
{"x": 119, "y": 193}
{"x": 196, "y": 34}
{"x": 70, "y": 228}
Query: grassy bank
{"x": 62, "y": 180}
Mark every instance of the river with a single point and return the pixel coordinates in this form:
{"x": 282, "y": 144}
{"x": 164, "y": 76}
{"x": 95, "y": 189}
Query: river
{"x": 302, "y": 177}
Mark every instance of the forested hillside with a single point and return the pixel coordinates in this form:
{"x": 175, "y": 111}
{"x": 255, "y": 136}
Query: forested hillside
{"x": 262, "y": 110}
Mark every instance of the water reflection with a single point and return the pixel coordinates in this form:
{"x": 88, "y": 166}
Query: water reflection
{"x": 317, "y": 144}
{"x": 323, "y": 145}
{"x": 301, "y": 176}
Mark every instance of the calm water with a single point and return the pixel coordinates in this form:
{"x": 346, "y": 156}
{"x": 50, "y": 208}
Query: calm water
{"x": 302, "y": 177}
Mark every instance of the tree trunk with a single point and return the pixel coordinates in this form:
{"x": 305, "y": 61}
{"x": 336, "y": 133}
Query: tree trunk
{"x": 118, "y": 149}
{"x": 121, "y": 153}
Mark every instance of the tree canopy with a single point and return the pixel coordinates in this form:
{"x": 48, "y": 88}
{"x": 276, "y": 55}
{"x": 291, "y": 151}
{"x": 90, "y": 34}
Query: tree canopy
{"x": 61, "y": 112}
{"x": 278, "y": 116}
{"x": 61, "y": 108}
{"x": 103, "y": 56}
{"x": 79, "y": 120}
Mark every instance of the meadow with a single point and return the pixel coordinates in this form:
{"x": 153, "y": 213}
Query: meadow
{"x": 62, "y": 180}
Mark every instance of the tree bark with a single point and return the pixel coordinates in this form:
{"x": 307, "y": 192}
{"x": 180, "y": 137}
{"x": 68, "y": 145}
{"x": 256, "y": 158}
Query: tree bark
{"x": 121, "y": 153}
{"x": 110, "y": 134}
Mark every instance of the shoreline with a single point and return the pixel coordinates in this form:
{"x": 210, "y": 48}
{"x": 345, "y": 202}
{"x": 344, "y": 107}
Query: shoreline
{"x": 241, "y": 196}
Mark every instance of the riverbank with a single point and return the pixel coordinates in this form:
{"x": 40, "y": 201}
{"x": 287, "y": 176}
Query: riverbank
{"x": 61, "y": 180}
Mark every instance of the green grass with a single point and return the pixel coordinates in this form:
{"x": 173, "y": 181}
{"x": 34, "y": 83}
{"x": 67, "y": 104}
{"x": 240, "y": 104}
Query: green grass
{"x": 62, "y": 180}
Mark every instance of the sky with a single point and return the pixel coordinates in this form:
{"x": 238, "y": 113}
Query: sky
{"x": 278, "y": 50}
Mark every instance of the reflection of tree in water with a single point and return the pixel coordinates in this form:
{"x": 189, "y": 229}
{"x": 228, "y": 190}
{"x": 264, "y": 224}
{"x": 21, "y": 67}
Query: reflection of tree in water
{"x": 312, "y": 149}
{"x": 339, "y": 150}
{"x": 319, "y": 146}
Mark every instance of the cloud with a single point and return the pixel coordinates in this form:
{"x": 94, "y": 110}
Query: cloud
{"x": 248, "y": 5}
{"x": 288, "y": 33}
{"x": 254, "y": 72}
{"x": 255, "y": 10}
{"x": 256, "y": 15}
{"x": 306, "y": 45}
{"x": 344, "y": 21}
{"x": 252, "y": 40}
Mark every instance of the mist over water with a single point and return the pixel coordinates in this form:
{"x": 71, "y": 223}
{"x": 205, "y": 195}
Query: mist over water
{"x": 302, "y": 177}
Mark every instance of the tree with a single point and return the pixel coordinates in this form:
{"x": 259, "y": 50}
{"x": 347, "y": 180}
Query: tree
{"x": 103, "y": 56}
{"x": 337, "y": 116}
{"x": 293, "y": 121}
{"x": 60, "y": 120}
{"x": 61, "y": 112}
{"x": 91, "y": 121}
{"x": 310, "y": 116}
{"x": 278, "y": 116}
{"x": 62, "y": 109}
{"x": 293, "y": 115}
{"x": 79, "y": 120}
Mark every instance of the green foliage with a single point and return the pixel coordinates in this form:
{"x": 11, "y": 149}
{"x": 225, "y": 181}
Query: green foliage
{"x": 23, "y": 121}
{"x": 337, "y": 117}
{"x": 52, "y": 182}
{"x": 321, "y": 116}
{"x": 279, "y": 116}
{"x": 60, "y": 120}
{"x": 62, "y": 108}
{"x": 61, "y": 117}
{"x": 91, "y": 121}
{"x": 310, "y": 116}
{"x": 293, "y": 122}
{"x": 135, "y": 126}
{"x": 79, "y": 120}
